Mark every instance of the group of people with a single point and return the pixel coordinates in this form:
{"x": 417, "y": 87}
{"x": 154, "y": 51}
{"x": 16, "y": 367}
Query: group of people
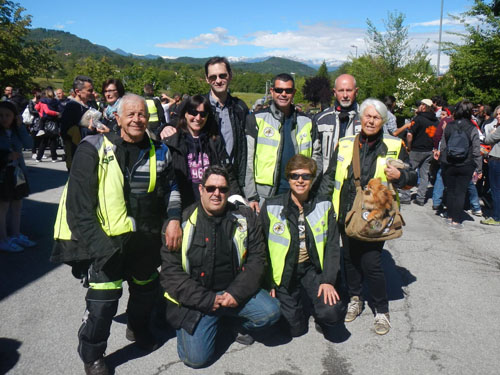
{"x": 244, "y": 212}
{"x": 456, "y": 147}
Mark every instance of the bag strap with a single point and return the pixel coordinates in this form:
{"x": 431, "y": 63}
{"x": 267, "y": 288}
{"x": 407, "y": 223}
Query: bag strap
{"x": 356, "y": 164}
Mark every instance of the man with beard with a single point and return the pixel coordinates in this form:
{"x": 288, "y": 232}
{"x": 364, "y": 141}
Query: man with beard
{"x": 341, "y": 119}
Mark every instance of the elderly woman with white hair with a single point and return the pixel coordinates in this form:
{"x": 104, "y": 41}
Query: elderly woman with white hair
{"x": 363, "y": 259}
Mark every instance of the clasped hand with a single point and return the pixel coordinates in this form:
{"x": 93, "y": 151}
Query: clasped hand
{"x": 224, "y": 300}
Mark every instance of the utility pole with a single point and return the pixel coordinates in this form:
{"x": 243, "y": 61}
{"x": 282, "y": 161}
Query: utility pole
{"x": 439, "y": 43}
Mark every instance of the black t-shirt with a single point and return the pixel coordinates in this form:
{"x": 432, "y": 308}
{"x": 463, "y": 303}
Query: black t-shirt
{"x": 423, "y": 131}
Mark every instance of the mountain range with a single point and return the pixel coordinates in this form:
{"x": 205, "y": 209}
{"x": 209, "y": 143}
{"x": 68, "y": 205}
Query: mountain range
{"x": 71, "y": 45}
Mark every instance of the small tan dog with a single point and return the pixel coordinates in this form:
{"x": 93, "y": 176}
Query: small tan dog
{"x": 377, "y": 199}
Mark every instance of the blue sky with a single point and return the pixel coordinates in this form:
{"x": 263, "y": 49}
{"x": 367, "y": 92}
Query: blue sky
{"x": 304, "y": 30}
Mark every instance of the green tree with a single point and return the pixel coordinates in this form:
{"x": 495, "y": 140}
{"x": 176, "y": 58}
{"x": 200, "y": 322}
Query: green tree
{"x": 390, "y": 66}
{"x": 323, "y": 71}
{"x": 98, "y": 70}
{"x": 475, "y": 63}
{"x": 189, "y": 82}
{"x": 318, "y": 90}
{"x": 392, "y": 45}
{"x": 21, "y": 60}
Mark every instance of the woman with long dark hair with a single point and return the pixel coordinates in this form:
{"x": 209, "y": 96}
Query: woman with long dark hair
{"x": 13, "y": 183}
{"x": 196, "y": 146}
{"x": 460, "y": 157}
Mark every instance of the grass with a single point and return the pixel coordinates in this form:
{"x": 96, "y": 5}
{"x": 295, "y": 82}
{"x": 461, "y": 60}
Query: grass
{"x": 248, "y": 97}
{"x": 56, "y": 83}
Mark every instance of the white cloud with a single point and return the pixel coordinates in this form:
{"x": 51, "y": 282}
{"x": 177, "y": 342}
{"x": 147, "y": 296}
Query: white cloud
{"x": 58, "y": 26}
{"x": 317, "y": 42}
{"x": 218, "y": 36}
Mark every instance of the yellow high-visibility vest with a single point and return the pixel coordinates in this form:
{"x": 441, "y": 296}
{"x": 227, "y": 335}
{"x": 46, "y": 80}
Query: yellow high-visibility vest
{"x": 344, "y": 159}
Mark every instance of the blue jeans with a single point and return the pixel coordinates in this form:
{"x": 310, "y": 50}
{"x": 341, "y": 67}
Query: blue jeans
{"x": 196, "y": 350}
{"x": 473, "y": 197}
{"x": 438, "y": 190}
{"x": 494, "y": 175}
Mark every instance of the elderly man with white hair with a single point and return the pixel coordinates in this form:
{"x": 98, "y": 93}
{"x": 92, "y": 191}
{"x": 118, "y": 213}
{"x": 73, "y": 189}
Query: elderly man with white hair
{"x": 363, "y": 259}
{"x": 108, "y": 228}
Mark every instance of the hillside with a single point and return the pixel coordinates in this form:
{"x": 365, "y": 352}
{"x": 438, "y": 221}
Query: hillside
{"x": 72, "y": 45}
{"x": 69, "y": 43}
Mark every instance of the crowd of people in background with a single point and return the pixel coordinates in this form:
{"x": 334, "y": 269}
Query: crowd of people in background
{"x": 233, "y": 187}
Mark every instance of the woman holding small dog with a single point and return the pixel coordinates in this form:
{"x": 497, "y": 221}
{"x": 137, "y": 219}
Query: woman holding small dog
{"x": 362, "y": 259}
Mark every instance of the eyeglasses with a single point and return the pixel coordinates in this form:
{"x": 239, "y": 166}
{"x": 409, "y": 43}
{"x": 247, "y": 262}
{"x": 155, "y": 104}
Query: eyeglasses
{"x": 213, "y": 77}
{"x": 110, "y": 91}
{"x": 279, "y": 90}
{"x": 296, "y": 176}
{"x": 212, "y": 188}
{"x": 194, "y": 112}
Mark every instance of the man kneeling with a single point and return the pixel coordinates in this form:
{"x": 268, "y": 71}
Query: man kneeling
{"x": 217, "y": 273}
{"x": 303, "y": 245}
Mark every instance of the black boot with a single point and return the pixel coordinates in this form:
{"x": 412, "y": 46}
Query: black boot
{"x": 139, "y": 310}
{"x": 97, "y": 367}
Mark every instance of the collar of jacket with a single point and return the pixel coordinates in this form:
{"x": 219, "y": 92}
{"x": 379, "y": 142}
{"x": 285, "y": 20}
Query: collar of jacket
{"x": 227, "y": 214}
{"x": 228, "y": 103}
{"x": 352, "y": 109}
{"x": 289, "y": 205}
{"x": 378, "y": 144}
{"x": 280, "y": 116}
{"x": 117, "y": 140}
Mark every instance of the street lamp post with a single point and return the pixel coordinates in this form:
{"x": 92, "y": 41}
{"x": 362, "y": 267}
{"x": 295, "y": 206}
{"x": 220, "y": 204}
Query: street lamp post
{"x": 354, "y": 46}
{"x": 439, "y": 43}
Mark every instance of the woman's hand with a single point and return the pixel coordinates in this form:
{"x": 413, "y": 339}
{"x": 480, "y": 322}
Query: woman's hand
{"x": 392, "y": 173}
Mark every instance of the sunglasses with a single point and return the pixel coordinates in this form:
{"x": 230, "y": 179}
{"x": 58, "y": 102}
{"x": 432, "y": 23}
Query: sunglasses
{"x": 194, "y": 112}
{"x": 296, "y": 176}
{"x": 211, "y": 189}
{"x": 213, "y": 77}
{"x": 279, "y": 90}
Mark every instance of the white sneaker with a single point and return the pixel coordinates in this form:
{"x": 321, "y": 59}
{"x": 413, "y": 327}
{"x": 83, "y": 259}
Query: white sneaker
{"x": 10, "y": 246}
{"x": 45, "y": 157}
{"x": 23, "y": 240}
{"x": 40, "y": 133}
{"x": 382, "y": 323}
{"x": 33, "y": 156}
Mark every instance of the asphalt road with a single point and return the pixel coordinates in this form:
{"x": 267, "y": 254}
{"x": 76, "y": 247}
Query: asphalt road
{"x": 443, "y": 284}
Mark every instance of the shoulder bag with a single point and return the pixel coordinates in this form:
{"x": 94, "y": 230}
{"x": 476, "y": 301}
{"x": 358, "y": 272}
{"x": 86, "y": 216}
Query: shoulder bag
{"x": 356, "y": 226}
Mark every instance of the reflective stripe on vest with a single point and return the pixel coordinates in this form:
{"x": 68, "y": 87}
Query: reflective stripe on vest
{"x": 111, "y": 285}
{"x": 279, "y": 235}
{"x": 344, "y": 159}
{"x": 267, "y": 146}
{"x": 111, "y": 210}
{"x": 240, "y": 237}
{"x": 152, "y": 110}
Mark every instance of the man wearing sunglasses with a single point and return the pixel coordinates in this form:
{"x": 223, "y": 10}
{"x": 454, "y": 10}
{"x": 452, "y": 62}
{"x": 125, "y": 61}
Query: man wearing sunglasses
{"x": 217, "y": 273}
{"x": 230, "y": 113}
{"x": 274, "y": 135}
{"x": 303, "y": 248}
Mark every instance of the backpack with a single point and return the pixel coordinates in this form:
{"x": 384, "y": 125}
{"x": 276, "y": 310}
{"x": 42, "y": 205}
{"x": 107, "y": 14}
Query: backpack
{"x": 457, "y": 145}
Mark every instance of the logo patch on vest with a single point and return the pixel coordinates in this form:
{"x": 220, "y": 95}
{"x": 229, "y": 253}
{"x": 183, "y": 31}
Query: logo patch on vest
{"x": 242, "y": 225}
{"x": 340, "y": 157}
{"x": 269, "y": 132}
{"x": 278, "y": 228}
{"x": 106, "y": 160}
{"x": 392, "y": 153}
